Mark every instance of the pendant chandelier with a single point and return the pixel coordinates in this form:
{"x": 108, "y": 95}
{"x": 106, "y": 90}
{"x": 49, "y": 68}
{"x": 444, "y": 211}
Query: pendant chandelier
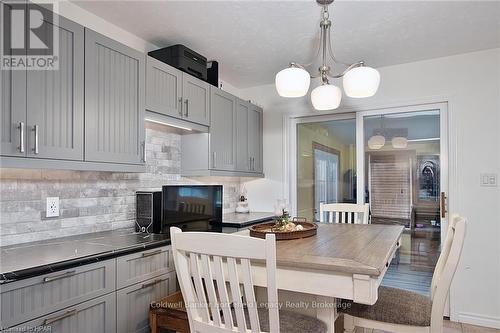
{"x": 398, "y": 141}
{"x": 359, "y": 81}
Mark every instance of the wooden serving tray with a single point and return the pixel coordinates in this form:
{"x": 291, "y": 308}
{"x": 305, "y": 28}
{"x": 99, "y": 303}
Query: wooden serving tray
{"x": 261, "y": 230}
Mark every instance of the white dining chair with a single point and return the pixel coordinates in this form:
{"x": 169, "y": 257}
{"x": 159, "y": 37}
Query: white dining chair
{"x": 402, "y": 311}
{"x": 214, "y": 270}
{"x": 344, "y": 213}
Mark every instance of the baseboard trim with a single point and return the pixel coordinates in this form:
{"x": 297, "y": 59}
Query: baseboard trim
{"x": 479, "y": 320}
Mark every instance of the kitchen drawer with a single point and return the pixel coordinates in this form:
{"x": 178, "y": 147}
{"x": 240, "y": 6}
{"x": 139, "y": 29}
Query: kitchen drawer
{"x": 132, "y": 311}
{"x": 140, "y": 266}
{"x": 38, "y": 296}
{"x": 94, "y": 316}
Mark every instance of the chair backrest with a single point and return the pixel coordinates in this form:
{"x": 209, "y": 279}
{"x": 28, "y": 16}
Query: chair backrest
{"x": 446, "y": 268}
{"x": 211, "y": 268}
{"x": 344, "y": 213}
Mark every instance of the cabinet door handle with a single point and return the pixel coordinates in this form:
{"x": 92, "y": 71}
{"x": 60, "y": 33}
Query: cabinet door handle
{"x": 180, "y": 106}
{"x": 152, "y": 253}
{"x": 60, "y": 276}
{"x": 249, "y": 163}
{"x": 35, "y": 149}
{"x": 152, "y": 283}
{"x": 67, "y": 314}
{"x": 214, "y": 159}
{"x": 187, "y": 107}
{"x": 21, "y": 137}
{"x": 144, "y": 151}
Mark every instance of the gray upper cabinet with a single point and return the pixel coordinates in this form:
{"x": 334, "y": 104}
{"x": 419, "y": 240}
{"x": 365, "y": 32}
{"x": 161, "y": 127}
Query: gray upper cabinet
{"x": 196, "y": 97}
{"x": 255, "y": 141}
{"x": 114, "y": 101}
{"x": 13, "y": 108}
{"x": 55, "y": 99}
{"x": 163, "y": 88}
{"x": 233, "y": 146}
{"x": 242, "y": 157}
{"x": 222, "y": 130}
{"x": 174, "y": 93}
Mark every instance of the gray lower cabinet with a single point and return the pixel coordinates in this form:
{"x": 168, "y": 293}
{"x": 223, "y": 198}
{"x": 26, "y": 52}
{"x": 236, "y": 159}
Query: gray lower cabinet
{"x": 222, "y": 130}
{"x": 94, "y": 316}
{"x": 108, "y": 296}
{"x": 114, "y": 101}
{"x": 39, "y": 296}
{"x": 196, "y": 99}
{"x": 163, "y": 88}
{"x": 132, "y": 312}
{"x": 255, "y": 138}
{"x": 137, "y": 267}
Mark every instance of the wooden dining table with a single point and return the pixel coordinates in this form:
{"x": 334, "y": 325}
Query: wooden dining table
{"x": 345, "y": 261}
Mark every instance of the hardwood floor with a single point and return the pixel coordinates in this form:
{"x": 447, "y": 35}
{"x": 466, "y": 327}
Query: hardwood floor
{"x": 417, "y": 257}
{"x": 403, "y": 277}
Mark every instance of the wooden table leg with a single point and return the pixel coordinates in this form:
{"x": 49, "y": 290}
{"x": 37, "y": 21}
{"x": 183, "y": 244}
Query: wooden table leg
{"x": 326, "y": 311}
{"x": 152, "y": 322}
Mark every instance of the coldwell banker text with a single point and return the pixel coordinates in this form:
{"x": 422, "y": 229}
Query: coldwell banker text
{"x": 29, "y": 36}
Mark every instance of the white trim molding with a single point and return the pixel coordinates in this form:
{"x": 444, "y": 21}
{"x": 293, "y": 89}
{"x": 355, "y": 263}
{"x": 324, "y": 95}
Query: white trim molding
{"x": 479, "y": 320}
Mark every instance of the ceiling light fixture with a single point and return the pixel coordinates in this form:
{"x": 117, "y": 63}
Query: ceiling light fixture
{"x": 359, "y": 81}
{"x": 376, "y": 142}
{"x": 399, "y": 142}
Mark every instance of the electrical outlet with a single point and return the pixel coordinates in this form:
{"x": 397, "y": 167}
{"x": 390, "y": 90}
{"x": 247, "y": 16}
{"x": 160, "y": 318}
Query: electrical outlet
{"x": 52, "y": 207}
{"x": 489, "y": 179}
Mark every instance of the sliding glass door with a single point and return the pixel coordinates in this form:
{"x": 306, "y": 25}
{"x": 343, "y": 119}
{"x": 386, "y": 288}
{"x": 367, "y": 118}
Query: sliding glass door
{"x": 402, "y": 164}
{"x": 396, "y": 160}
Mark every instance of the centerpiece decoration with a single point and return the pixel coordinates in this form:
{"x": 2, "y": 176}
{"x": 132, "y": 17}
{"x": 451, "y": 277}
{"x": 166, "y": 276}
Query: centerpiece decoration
{"x": 285, "y": 227}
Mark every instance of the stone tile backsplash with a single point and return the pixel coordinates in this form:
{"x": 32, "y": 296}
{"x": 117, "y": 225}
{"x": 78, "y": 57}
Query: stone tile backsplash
{"x": 92, "y": 201}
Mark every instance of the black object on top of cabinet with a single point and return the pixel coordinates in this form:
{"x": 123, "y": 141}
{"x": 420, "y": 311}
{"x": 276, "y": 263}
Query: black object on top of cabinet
{"x": 213, "y": 73}
{"x": 183, "y": 58}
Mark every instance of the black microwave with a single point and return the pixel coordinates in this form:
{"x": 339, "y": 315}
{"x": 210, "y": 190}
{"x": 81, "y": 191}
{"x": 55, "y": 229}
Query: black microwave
{"x": 188, "y": 207}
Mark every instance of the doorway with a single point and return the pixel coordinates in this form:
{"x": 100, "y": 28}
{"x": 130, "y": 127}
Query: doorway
{"x": 326, "y": 175}
{"x": 325, "y": 163}
{"x": 404, "y": 164}
{"x": 403, "y": 176}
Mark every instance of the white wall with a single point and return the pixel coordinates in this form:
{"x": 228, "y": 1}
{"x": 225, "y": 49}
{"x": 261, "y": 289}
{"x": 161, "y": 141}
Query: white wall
{"x": 470, "y": 84}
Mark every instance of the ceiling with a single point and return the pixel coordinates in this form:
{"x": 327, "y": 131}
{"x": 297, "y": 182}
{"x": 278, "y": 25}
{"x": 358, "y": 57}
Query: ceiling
{"x": 252, "y": 40}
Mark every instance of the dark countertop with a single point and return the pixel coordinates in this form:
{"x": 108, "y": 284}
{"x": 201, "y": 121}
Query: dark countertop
{"x": 240, "y": 220}
{"x": 31, "y": 259}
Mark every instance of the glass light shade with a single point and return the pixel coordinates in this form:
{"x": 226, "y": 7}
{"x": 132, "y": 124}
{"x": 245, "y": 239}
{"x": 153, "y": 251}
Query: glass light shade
{"x": 399, "y": 142}
{"x": 376, "y": 142}
{"x": 292, "y": 82}
{"x": 361, "y": 82}
{"x": 326, "y": 97}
